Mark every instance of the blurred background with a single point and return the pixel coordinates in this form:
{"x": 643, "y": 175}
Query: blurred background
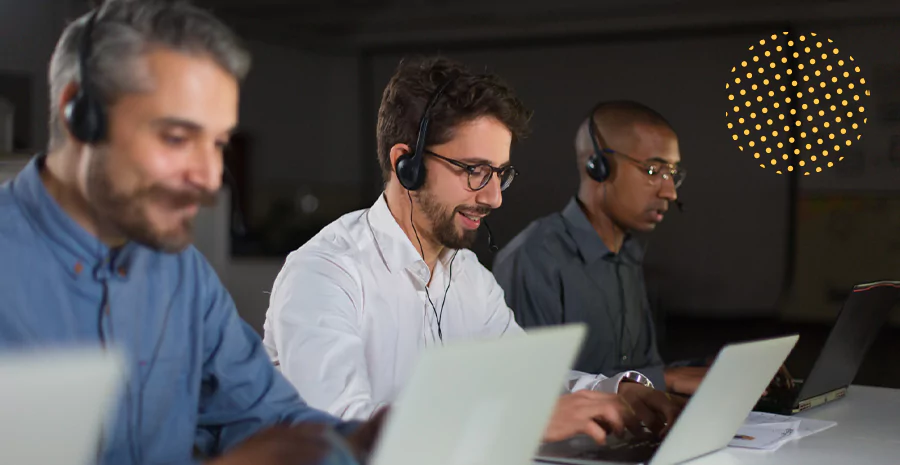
{"x": 753, "y": 254}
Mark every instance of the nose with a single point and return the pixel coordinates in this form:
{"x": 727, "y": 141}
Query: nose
{"x": 491, "y": 194}
{"x": 667, "y": 190}
{"x": 205, "y": 170}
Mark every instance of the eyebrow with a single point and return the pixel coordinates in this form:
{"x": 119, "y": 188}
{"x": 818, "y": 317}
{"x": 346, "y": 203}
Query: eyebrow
{"x": 186, "y": 124}
{"x": 482, "y": 161}
{"x": 662, "y": 160}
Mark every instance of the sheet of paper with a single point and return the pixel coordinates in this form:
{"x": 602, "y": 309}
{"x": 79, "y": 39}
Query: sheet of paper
{"x": 807, "y": 426}
{"x": 766, "y": 437}
{"x": 766, "y": 431}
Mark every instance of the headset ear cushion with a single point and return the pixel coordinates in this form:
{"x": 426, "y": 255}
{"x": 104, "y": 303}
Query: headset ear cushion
{"x": 410, "y": 171}
{"x": 86, "y": 119}
{"x": 597, "y": 167}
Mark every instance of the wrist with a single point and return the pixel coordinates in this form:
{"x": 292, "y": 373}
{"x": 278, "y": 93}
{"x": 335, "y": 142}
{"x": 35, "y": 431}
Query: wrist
{"x": 634, "y": 377}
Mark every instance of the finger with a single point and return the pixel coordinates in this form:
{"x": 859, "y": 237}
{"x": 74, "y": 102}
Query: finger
{"x": 648, "y": 415}
{"x": 632, "y": 422}
{"x": 596, "y": 432}
{"x": 612, "y": 415}
{"x": 668, "y": 410}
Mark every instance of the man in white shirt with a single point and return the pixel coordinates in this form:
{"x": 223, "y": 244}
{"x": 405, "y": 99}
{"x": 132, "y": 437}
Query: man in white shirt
{"x": 352, "y": 309}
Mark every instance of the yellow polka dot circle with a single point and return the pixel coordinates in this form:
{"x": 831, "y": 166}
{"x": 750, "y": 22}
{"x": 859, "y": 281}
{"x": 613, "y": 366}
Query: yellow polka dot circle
{"x": 796, "y": 102}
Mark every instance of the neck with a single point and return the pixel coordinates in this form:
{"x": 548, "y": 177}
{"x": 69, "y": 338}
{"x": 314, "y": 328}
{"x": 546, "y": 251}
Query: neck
{"x": 60, "y": 178}
{"x": 610, "y": 233}
{"x": 398, "y": 201}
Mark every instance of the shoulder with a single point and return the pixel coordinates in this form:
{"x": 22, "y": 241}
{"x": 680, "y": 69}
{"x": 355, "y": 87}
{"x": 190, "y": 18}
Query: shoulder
{"x": 544, "y": 240}
{"x": 19, "y": 240}
{"x": 336, "y": 252}
{"x": 14, "y": 228}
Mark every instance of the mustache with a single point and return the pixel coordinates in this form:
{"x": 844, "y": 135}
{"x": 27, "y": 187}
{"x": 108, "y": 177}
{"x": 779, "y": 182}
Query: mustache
{"x": 183, "y": 197}
{"x": 477, "y": 210}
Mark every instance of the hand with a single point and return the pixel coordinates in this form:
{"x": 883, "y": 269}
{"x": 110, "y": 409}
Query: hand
{"x": 304, "y": 444}
{"x": 684, "y": 380}
{"x": 362, "y": 441}
{"x": 588, "y": 412}
{"x": 782, "y": 380}
{"x": 657, "y": 410}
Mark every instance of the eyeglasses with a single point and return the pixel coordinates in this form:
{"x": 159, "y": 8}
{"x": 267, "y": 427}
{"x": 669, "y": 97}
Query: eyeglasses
{"x": 480, "y": 175}
{"x": 656, "y": 169}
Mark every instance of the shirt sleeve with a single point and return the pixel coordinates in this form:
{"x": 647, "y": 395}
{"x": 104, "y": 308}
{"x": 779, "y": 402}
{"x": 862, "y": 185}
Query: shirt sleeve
{"x": 533, "y": 290}
{"x": 315, "y": 328}
{"x": 655, "y": 369}
{"x": 241, "y": 393}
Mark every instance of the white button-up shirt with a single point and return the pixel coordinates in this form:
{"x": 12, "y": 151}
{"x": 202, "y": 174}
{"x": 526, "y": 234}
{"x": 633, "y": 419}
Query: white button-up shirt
{"x": 349, "y": 313}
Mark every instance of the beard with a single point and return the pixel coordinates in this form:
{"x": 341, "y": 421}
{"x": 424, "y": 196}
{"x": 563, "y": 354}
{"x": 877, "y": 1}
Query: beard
{"x": 128, "y": 212}
{"x": 443, "y": 221}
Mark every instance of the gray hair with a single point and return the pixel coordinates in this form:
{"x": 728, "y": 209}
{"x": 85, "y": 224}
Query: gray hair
{"x": 124, "y": 31}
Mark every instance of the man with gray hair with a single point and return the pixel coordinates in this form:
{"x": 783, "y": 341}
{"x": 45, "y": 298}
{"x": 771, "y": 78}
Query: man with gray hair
{"x": 95, "y": 245}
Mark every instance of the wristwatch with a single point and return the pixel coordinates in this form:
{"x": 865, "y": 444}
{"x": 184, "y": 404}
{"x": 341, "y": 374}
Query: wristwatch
{"x": 636, "y": 377}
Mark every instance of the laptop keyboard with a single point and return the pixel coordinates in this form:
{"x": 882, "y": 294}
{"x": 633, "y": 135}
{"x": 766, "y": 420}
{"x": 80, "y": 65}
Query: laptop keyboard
{"x": 638, "y": 450}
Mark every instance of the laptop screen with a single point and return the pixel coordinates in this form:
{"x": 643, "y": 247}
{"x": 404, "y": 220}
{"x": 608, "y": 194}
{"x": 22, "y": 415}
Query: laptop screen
{"x": 862, "y": 316}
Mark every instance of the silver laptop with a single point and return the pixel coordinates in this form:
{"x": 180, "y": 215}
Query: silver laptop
{"x": 729, "y": 391}
{"x": 480, "y": 403}
{"x": 53, "y": 404}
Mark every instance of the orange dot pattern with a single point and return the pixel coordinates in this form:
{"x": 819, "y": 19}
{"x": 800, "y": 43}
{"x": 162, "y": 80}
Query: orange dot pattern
{"x": 808, "y": 83}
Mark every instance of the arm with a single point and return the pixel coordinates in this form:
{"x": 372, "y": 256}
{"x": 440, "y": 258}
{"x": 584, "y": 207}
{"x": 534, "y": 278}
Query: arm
{"x": 313, "y": 316}
{"x": 241, "y": 393}
{"x": 655, "y": 369}
{"x": 532, "y": 288}
{"x": 539, "y": 292}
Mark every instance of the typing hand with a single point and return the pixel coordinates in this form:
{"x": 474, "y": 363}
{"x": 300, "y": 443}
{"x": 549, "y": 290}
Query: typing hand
{"x": 654, "y": 409}
{"x": 684, "y": 380}
{"x": 588, "y": 412}
{"x": 363, "y": 440}
{"x": 280, "y": 445}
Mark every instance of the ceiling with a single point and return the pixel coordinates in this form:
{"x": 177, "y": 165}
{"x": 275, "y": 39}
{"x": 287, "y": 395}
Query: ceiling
{"x": 355, "y": 24}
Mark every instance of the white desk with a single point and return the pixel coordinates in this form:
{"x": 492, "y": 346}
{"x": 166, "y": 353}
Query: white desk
{"x": 868, "y": 432}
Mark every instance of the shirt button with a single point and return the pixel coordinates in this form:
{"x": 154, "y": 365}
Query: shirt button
{"x": 624, "y": 358}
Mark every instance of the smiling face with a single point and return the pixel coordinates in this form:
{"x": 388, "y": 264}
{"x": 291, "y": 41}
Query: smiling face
{"x": 450, "y": 211}
{"x": 163, "y": 157}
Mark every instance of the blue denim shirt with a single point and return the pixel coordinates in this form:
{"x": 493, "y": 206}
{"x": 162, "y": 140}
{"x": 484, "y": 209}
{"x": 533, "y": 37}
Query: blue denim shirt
{"x": 200, "y": 380}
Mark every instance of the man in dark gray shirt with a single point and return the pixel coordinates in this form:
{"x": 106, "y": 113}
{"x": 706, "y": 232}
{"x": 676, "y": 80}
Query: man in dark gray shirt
{"x": 584, "y": 264}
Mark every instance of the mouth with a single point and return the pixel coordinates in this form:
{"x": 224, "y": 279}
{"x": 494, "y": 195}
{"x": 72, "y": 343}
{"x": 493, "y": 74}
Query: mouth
{"x": 658, "y": 214}
{"x": 471, "y": 220}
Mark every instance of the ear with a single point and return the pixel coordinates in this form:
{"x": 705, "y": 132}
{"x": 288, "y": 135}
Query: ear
{"x": 396, "y": 152}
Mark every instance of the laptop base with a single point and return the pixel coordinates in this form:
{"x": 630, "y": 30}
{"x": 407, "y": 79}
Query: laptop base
{"x": 781, "y": 406}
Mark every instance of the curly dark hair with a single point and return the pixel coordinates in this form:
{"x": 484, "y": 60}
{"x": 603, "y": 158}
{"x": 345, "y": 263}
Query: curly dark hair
{"x": 468, "y": 97}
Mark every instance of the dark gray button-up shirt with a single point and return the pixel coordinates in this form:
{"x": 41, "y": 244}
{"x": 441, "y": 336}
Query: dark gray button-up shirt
{"x": 558, "y": 270}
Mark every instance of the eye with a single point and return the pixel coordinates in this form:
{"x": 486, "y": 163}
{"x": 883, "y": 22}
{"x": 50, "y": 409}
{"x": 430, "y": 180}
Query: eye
{"x": 222, "y": 145}
{"x": 652, "y": 170}
{"x": 480, "y": 170}
{"x": 174, "y": 140}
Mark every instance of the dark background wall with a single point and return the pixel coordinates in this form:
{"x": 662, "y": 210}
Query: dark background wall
{"x": 753, "y": 252}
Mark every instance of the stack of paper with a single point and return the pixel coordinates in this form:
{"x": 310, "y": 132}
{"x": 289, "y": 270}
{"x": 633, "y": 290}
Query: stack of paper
{"x": 766, "y": 431}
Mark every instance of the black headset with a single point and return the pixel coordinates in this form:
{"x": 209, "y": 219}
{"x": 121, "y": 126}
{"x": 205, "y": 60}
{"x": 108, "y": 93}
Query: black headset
{"x": 410, "y": 168}
{"x": 597, "y": 165}
{"x": 85, "y": 115}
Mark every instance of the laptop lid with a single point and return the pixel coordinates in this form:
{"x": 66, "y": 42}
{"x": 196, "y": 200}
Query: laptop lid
{"x": 53, "y": 404}
{"x": 855, "y": 329}
{"x": 481, "y": 402}
{"x": 732, "y": 386}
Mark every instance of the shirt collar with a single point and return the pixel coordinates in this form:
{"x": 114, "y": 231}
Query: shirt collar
{"x": 79, "y": 252}
{"x": 588, "y": 241}
{"x": 397, "y": 251}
